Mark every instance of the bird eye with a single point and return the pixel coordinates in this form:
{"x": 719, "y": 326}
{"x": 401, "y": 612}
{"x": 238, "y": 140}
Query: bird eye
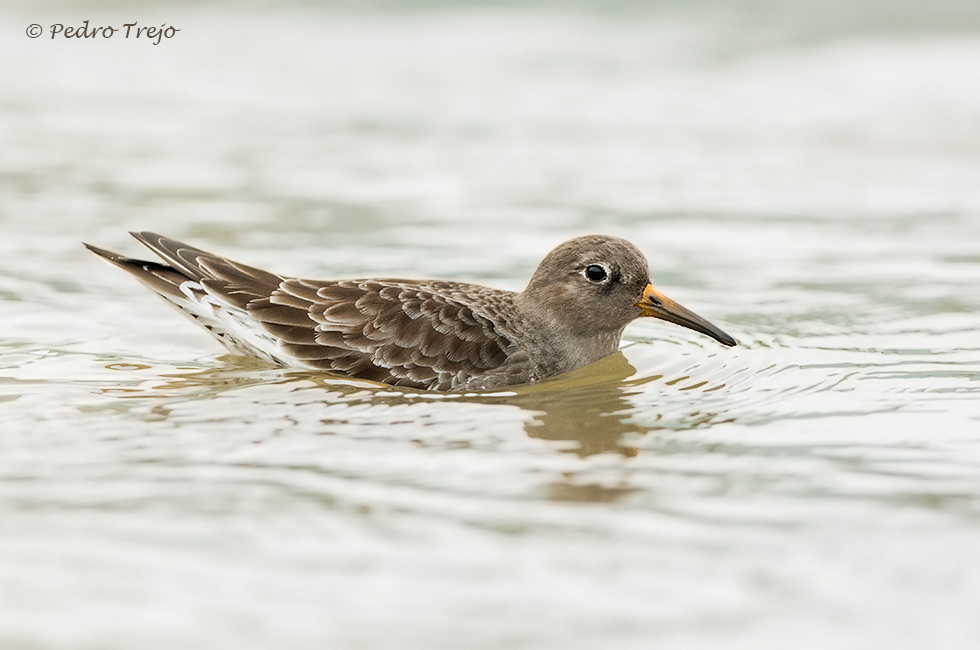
{"x": 595, "y": 273}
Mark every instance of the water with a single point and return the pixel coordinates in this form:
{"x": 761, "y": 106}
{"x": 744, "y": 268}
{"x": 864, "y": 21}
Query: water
{"x": 813, "y": 192}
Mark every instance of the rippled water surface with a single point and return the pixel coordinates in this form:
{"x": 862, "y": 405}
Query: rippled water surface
{"x": 818, "y": 197}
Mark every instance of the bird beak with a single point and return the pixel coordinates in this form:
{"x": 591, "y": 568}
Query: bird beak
{"x": 657, "y": 305}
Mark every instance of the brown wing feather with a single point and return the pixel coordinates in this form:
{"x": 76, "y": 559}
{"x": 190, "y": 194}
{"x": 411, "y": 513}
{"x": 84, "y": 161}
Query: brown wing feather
{"x": 397, "y": 332}
{"x": 421, "y": 334}
{"x": 236, "y": 283}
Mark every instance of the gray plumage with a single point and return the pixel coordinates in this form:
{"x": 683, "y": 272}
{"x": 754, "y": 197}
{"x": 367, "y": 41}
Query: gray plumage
{"x": 431, "y": 335}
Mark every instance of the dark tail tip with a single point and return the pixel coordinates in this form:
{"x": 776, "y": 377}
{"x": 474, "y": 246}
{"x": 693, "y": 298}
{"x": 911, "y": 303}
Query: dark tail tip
{"x": 101, "y": 252}
{"x": 109, "y": 256}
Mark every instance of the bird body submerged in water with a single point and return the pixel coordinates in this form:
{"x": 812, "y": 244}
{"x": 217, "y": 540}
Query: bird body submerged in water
{"x": 425, "y": 334}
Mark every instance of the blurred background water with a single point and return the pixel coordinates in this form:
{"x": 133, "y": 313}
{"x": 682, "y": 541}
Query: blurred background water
{"x": 804, "y": 174}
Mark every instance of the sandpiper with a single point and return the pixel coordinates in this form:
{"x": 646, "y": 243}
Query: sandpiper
{"x": 427, "y": 334}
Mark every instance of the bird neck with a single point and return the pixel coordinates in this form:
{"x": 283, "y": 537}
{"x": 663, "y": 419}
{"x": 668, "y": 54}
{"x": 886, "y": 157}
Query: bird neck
{"x": 563, "y": 346}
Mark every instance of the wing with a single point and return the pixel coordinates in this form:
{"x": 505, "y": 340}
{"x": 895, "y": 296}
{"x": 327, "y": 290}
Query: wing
{"x": 427, "y": 335}
{"x": 212, "y": 290}
{"x": 396, "y": 332}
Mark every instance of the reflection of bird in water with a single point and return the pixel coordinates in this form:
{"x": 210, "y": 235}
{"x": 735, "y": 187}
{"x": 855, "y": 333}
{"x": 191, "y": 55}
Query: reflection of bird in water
{"x": 590, "y": 408}
{"x": 586, "y": 407}
{"x": 423, "y": 334}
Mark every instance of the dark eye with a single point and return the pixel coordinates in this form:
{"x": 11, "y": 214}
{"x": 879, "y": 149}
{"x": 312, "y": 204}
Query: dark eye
{"x": 595, "y": 273}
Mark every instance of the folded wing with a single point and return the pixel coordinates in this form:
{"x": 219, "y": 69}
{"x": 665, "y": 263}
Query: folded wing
{"x": 399, "y": 332}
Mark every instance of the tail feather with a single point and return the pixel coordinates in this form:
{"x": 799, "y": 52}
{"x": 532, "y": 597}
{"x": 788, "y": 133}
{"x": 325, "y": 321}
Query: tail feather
{"x": 198, "y": 264}
{"x": 161, "y": 278}
{"x": 212, "y": 290}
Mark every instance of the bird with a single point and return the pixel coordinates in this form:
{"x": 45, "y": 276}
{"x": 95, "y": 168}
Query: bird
{"x": 431, "y": 335}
